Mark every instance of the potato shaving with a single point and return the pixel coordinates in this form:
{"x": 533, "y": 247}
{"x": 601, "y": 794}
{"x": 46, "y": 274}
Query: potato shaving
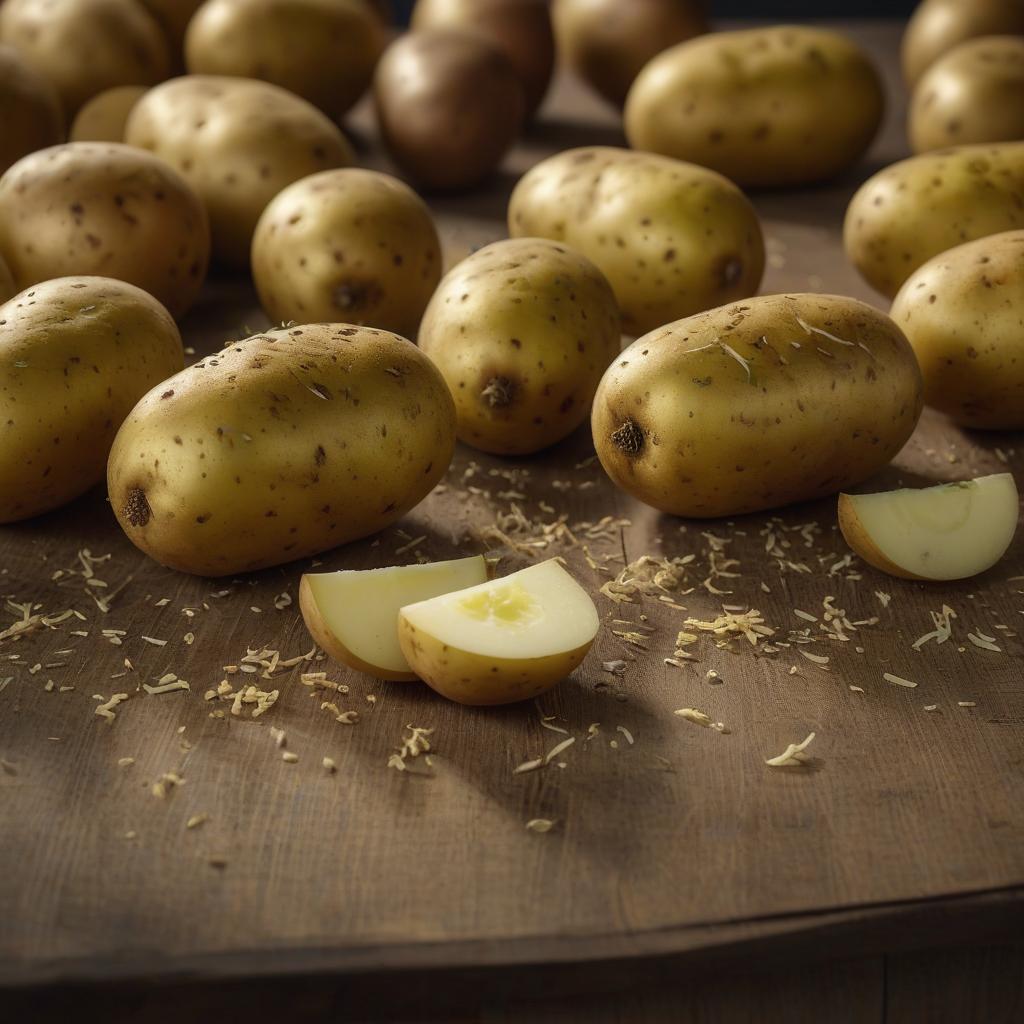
{"x": 793, "y": 756}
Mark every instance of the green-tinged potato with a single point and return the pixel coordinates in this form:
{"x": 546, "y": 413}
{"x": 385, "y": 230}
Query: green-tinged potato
{"x": 86, "y": 46}
{"x": 350, "y": 245}
{"x": 522, "y": 332}
{"x": 777, "y": 399}
{"x": 449, "y": 105}
{"x": 963, "y": 313}
{"x": 104, "y": 208}
{"x": 672, "y": 238}
{"x": 281, "y": 446}
{"x": 29, "y": 109}
{"x": 238, "y": 142}
{"x": 104, "y": 117}
{"x": 76, "y": 354}
{"x": 322, "y": 50}
{"x": 915, "y": 209}
{"x": 974, "y": 93}
{"x": 607, "y": 42}
{"x": 521, "y": 29}
{"x": 767, "y": 106}
{"x": 936, "y": 26}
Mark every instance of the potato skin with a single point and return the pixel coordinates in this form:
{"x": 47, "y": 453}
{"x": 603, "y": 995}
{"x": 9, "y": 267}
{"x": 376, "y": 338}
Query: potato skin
{"x": 971, "y": 94}
{"x": 963, "y": 313}
{"x": 76, "y": 354}
{"x": 91, "y": 208}
{"x": 679, "y": 424}
{"x": 915, "y": 209}
{"x": 449, "y": 105}
{"x": 522, "y": 331}
{"x": 322, "y": 50}
{"x": 104, "y": 117}
{"x": 237, "y": 142}
{"x": 349, "y": 245}
{"x": 672, "y": 238}
{"x": 30, "y": 109}
{"x": 768, "y": 106}
{"x": 280, "y": 446}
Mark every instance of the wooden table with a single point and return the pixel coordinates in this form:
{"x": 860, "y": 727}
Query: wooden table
{"x": 678, "y": 860}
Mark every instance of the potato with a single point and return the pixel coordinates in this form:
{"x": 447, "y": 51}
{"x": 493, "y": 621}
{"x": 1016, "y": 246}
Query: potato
{"x": 104, "y": 117}
{"x": 522, "y": 332}
{"x": 607, "y": 42}
{"x": 521, "y": 29}
{"x": 103, "y": 208}
{"x": 758, "y": 404}
{"x": 281, "y": 446}
{"x": 936, "y": 26}
{"x": 672, "y": 238}
{"x": 349, "y": 245}
{"x": 449, "y": 107}
{"x": 963, "y": 313}
{"x": 971, "y": 94}
{"x": 7, "y": 286}
{"x": 322, "y": 50}
{"x": 29, "y": 109}
{"x": 76, "y": 354}
{"x": 766, "y": 106}
{"x": 917, "y": 208}
{"x": 86, "y": 46}
{"x": 238, "y": 142}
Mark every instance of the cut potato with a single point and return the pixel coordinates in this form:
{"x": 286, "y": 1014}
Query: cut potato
{"x": 948, "y": 532}
{"x": 503, "y": 641}
{"x": 353, "y": 615}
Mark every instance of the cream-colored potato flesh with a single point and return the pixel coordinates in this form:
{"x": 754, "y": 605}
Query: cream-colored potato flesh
{"x": 948, "y": 532}
{"x": 360, "y": 608}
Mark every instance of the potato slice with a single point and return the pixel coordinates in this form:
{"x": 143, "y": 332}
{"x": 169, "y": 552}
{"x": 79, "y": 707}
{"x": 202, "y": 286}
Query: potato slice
{"x": 947, "y": 532}
{"x": 353, "y": 615}
{"x": 503, "y": 641}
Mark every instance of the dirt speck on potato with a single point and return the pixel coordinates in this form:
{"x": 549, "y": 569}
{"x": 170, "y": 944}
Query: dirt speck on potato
{"x": 136, "y": 508}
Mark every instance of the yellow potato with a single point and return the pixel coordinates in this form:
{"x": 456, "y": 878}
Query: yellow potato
{"x": 671, "y": 238}
{"x": 762, "y": 403}
{"x": 76, "y": 354}
{"x": 767, "y": 106}
{"x": 963, "y": 313}
{"x": 29, "y": 109}
{"x": 281, "y": 446}
{"x": 522, "y": 332}
{"x": 321, "y": 50}
{"x": 349, "y": 245}
{"x": 104, "y": 117}
{"x": 917, "y": 208}
{"x": 238, "y": 142}
{"x": 103, "y": 208}
{"x": 86, "y": 46}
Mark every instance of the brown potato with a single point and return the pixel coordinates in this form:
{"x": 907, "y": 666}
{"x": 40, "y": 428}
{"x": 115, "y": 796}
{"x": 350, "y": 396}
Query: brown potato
{"x": 520, "y": 28}
{"x": 103, "y": 118}
{"x": 29, "y": 109}
{"x": 607, "y": 42}
{"x": 449, "y": 105}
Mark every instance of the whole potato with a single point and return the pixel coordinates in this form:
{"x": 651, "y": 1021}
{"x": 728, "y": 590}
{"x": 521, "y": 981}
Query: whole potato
{"x": 104, "y": 208}
{"x": 351, "y": 245}
{"x": 238, "y": 142}
{"x": 774, "y": 400}
{"x": 322, "y": 50}
{"x": 672, "y": 238}
{"x": 521, "y": 29}
{"x": 607, "y": 42}
{"x": 963, "y": 313}
{"x": 76, "y": 354}
{"x": 29, "y": 109}
{"x": 104, "y": 117}
{"x": 974, "y": 93}
{"x": 522, "y": 331}
{"x": 86, "y": 46}
{"x": 449, "y": 105}
{"x": 788, "y": 105}
{"x": 936, "y": 26}
{"x": 281, "y": 446}
{"x": 915, "y": 209}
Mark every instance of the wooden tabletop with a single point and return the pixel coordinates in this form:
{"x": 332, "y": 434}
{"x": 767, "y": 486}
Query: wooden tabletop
{"x": 670, "y": 840}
